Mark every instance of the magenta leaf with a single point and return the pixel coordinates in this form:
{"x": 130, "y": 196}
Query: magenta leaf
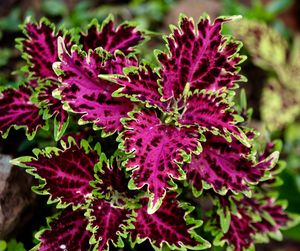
{"x": 157, "y": 149}
{"x": 259, "y": 217}
{"x": 40, "y": 47}
{"x": 83, "y": 92}
{"x": 67, "y": 232}
{"x": 251, "y": 220}
{"x": 200, "y": 56}
{"x": 112, "y": 181}
{"x": 274, "y": 212}
{"x": 240, "y": 231}
{"x": 226, "y": 166}
{"x": 17, "y": 110}
{"x": 170, "y": 224}
{"x": 64, "y": 174}
{"x": 210, "y": 111}
{"x": 124, "y": 37}
{"x": 274, "y": 179}
{"x": 108, "y": 224}
{"x": 142, "y": 85}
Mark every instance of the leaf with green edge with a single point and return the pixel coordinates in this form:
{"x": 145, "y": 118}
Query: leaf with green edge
{"x": 171, "y": 224}
{"x": 225, "y": 166}
{"x": 274, "y": 179}
{"x": 253, "y": 220}
{"x": 240, "y": 232}
{"x": 108, "y": 224}
{"x": 141, "y": 84}
{"x": 52, "y": 107}
{"x": 225, "y": 218}
{"x": 84, "y": 93}
{"x": 112, "y": 182}
{"x": 18, "y": 111}
{"x": 40, "y": 47}
{"x": 124, "y": 37}
{"x": 64, "y": 174}
{"x": 200, "y": 56}
{"x": 68, "y": 231}
{"x": 210, "y": 111}
{"x": 157, "y": 148}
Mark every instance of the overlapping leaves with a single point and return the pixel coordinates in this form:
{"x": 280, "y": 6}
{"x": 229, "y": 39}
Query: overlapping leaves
{"x": 40, "y": 49}
{"x": 226, "y": 166}
{"x": 101, "y": 217}
{"x": 190, "y": 103}
{"x": 86, "y": 94}
{"x": 199, "y": 56}
{"x": 176, "y": 123}
{"x": 251, "y": 220}
{"x": 17, "y": 110}
{"x": 123, "y": 38}
{"x": 158, "y": 150}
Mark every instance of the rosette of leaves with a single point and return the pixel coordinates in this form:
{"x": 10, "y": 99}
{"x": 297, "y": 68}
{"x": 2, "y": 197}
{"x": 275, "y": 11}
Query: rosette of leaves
{"x": 192, "y": 118}
{"x": 177, "y": 126}
{"x": 270, "y": 51}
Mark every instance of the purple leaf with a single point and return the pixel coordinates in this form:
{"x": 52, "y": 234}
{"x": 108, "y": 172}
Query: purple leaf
{"x": 200, "y": 56}
{"x": 112, "y": 179}
{"x": 65, "y": 174}
{"x": 240, "y": 231}
{"x": 40, "y": 47}
{"x": 280, "y": 219}
{"x": 251, "y": 220}
{"x": 256, "y": 217}
{"x": 170, "y": 224}
{"x": 210, "y": 111}
{"x": 90, "y": 96}
{"x": 157, "y": 148}
{"x": 108, "y": 223}
{"x": 111, "y": 38}
{"x": 274, "y": 179}
{"x": 225, "y": 166}
{"x": 17, "y": 110}
{"x": 68, "y": 232}
{"x": 143, "y": 86}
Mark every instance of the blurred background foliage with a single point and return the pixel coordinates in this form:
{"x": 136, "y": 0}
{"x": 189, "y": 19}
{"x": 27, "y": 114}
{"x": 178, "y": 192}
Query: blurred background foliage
{"x": 270, "y": 33}
{"x": 11, "y": 245}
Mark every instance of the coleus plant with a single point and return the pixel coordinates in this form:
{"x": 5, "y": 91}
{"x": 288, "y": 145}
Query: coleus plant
{"x": 184, "y": 155}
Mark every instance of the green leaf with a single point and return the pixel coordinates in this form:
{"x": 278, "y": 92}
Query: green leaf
{"x": 225, "y": 219}
{"x": 3, "y": 245}
{"x": 13, "y": 245}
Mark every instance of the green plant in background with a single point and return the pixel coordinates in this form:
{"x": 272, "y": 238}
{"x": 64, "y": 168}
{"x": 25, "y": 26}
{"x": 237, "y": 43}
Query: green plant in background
{"x": 258, "y": 11}
{"x": 291, "y": 175}
{"x": 11, "y": 245}
{"x": 280, "y": 103}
